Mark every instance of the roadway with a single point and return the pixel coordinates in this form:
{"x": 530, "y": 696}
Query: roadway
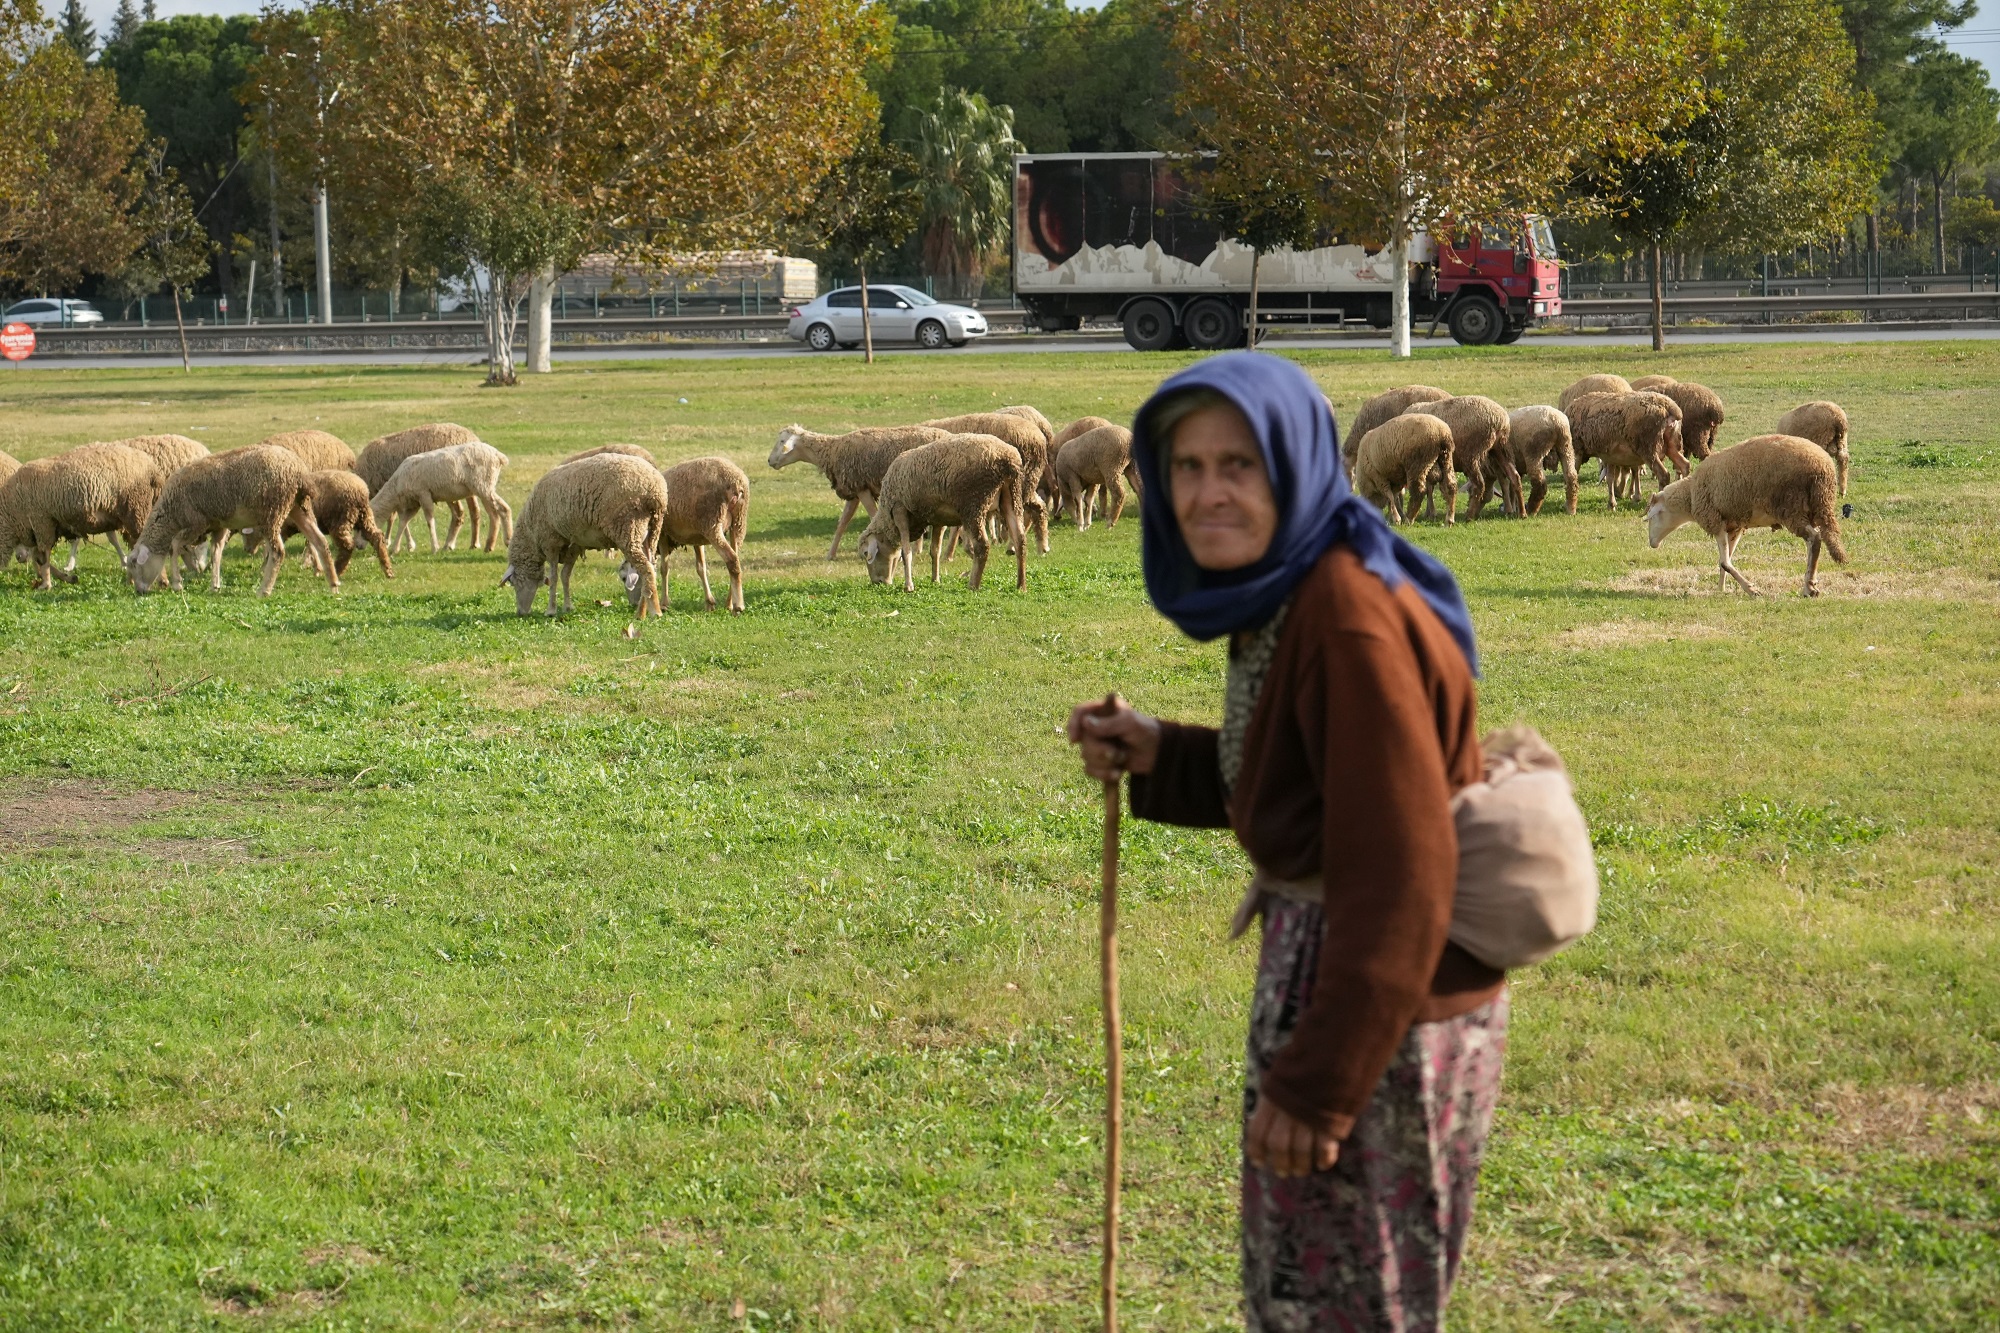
{"x": 1042, "y": 345}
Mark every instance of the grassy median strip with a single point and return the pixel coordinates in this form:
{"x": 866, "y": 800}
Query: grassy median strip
{"x": 382, "y": 959}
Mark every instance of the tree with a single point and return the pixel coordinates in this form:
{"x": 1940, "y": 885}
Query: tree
{"x": 69, "y": 215}
{"x": 172, "y": 249}
{"x": 1951, "y": 119}
{"x": 75, "y": 28}
{"x": 1398, "y": 116}
{"x": 964, "y": 152}
{"x": 1264, "y": 215}
{"x": 125, "y": 22}
{"x": 184, "y": 73}
{"x": 861, "y": 212}
{"x": 654, "y": 126}
{"x": 1778, "y": 152}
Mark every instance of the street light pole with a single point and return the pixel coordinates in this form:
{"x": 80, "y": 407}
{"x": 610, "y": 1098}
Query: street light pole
{"x": 322, "y": 255}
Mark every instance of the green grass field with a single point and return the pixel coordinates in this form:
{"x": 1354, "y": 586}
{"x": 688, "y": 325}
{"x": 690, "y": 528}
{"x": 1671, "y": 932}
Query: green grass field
{"x": 382, "y": 960}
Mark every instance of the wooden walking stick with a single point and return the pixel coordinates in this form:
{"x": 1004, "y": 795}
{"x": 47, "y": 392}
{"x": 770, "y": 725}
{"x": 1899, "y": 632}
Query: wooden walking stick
{"x": 1114, "y": 1046}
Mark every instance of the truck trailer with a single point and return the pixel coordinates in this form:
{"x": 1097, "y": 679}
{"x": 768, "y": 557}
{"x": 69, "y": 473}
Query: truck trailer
{"x": 1122, "y": 236}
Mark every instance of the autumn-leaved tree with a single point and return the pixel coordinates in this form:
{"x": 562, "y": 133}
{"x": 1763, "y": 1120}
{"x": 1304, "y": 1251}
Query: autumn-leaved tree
{"x": 75, "y": 170}
{"x": 1776, "y": 150}
{"x": 1393, "y": 116}
{"x": 1265, "y": 215}
{"x": 865, "y": 208}
{"x": 651, "y": 128}
{"x": 171, "y": 250}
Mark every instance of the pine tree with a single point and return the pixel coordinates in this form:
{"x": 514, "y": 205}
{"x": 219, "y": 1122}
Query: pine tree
{"x": 75, "y": 28}
{"x": 152, "y": 12}
{"x": 124, "y": 23}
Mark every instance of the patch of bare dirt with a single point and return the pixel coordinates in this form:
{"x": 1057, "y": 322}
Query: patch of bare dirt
{"x": 80, "y": 806}
{"x": 1632, "y": 633}
{"x": 1774, "y": 577}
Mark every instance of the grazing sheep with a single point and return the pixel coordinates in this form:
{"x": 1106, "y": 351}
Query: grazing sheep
{"x": 321, "y": 449}
{"x": 1536, "y": 437}
{"x": 468, "y": 472}
{"x": 9, "y": 465}
{"x": 953, "y": 482}
{"x": 1382, "y": 407}
{"x": 1653, "y": 382}
{"x": 91, "y": 489}
{"x": 257, "y": 488}
{"x": 629, "y": 450}
{"x": 853, "y": 463}
{"x": 340, "y": 507}
{"x": 1701, "y": 414}
{"x": 380, "y": 458}
{"x": 1037, "y": 472}
{"x": 608, "y": 501}
{"x": 1074, "y": 429}
{"x": 708, "y": 504}
{"x": 1094, "y": 462}
{"x": 1591, "y": 384}
{"x": 1405, "y": 453}
{"x": 1825, "y": 424}
{"x": 1033, "y": 414}
{"x": 1627, "y": 431}
{"x": 1479, "y": 450}
{"x": 170, "y": 453}
{"x": 1780, "y": 481}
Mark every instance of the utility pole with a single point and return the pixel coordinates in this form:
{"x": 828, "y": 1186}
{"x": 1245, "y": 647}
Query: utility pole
{"x": 322, "y": 246}
{"x": 277, "y": 245}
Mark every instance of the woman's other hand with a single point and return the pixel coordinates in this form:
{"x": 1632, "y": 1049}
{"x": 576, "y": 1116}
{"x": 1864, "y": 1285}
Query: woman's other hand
{"x": 1286, "y": 1147}
{"x": 1116, "y": 740}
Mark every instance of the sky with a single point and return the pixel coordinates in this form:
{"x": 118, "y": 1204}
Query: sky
{"x": 1979, "y": 39}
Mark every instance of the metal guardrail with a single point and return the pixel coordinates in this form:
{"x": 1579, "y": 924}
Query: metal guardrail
{"x": 1987, "y": 304}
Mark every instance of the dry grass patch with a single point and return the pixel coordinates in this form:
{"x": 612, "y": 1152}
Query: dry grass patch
{"x": 1633, "y": 633}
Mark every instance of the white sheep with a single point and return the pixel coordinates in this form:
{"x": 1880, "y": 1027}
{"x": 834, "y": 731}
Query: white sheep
{"x": 170, "y": 453}
{"x": 1405, "y": 453}
{"x": 380, "y": 458}
{"x": 708, "y": 504}
{"x": 1775, "y": 481}
{"x": 320, "y": 449}
{"x": 469, "y": 471}
{"x": 94, "y": 488}
{"x": 1825, "y": 424}
{"x": 1075, "y": 428}
{"x": 953, "y": 482}
{"x": 1627, "y": 431}
{"x": 1592, "y": 384}
{"x": 629, "y": 450}
{"x": 340, "y": 507}
{"x": 257, "y": 488}
{"x": 1383, "y": 407}
{"x": 607, "y": 501}
{"x": 852, "y": 463}
{"x": 1033, "y": 414}
{"x": 1093, "y": 463}
{"x": 1537, "y": 436}
{"x": 1479, "y": 450}
{"x": 1037, "y": 474}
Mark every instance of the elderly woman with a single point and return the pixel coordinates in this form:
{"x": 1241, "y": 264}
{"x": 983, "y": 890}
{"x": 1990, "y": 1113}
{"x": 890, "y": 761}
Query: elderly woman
{"x": 1347, "y": 725}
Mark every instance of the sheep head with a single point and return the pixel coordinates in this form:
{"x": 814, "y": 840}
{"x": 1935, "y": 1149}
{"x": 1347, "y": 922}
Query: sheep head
{"x": 1668, "y": 510}
{"x": 786, "y": 449}
{"x": 635, "y": 583}
{"x": 527, "y": 578}
{"x": 145, "y": 565}
{"x": 875, "y": 554}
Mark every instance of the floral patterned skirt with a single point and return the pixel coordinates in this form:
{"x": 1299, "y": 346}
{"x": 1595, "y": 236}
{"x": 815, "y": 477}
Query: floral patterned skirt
{"x": 1373, "y": 1245}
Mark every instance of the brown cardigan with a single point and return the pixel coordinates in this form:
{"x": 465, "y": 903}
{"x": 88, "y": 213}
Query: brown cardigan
{"x": 1364, "y": 730}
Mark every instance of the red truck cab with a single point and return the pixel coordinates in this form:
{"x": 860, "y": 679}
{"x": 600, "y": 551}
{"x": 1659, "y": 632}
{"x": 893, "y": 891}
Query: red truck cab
{"x": 1497, "y": 277}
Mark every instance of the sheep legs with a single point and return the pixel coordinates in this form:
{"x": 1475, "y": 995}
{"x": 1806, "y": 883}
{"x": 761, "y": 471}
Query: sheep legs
{"x": 497, "y": 512}
{"x": 846, "y": 517}
{"x": 1725, "y": 549}
{"x": 1812, "y": 565}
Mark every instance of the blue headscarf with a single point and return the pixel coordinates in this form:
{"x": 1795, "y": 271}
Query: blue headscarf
{"x": 1316, "y": 509}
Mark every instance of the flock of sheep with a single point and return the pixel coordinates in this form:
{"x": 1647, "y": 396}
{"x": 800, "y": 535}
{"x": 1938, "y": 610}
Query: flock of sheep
{"x": 1411, "y": 443}
{"x": 978, "y": 478}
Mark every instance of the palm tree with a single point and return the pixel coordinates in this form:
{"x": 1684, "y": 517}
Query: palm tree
{"x": 964, "y": 149}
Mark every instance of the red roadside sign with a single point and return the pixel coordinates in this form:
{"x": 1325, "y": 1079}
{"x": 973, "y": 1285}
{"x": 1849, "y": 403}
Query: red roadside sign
{"x": 17, "y": 341}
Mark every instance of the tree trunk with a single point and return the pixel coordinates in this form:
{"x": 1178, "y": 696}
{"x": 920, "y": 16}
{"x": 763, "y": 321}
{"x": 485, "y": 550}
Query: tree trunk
{"x": 1937, "y": 217}
{"x": 867, "y": 323}
{"x": 1873, "y": 261}
{"x": 541, "y": 326}
{"x": 500, "y": 332}
{"x": 1256, "y": 259}
{"x": 187, "y": 367}
{"x": 1659, "y": 316}
{"x": 1399, "y": 287}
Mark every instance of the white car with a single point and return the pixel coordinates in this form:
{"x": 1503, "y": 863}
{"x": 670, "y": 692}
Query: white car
{"x": 898, "y": 314}
{"x": 52, "y": 310}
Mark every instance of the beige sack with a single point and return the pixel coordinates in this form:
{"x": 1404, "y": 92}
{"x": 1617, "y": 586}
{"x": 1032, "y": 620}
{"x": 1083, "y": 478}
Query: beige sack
{"x": 1527, "y": 879}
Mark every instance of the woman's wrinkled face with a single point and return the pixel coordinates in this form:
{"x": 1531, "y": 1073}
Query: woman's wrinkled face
{"x": 1222, "y": 494}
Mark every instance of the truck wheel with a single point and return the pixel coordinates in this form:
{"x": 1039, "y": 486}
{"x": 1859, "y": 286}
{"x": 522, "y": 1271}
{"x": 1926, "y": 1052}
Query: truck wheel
{"x": 1211, "y": 325}
{"x": 1059, "y": 323}
{"x": 1476, "y": 321}
{"x": 1510, "y": 336}
{"x": 1149, "y": 325}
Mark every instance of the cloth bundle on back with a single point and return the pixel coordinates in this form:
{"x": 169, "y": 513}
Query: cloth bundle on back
{"x": 1349, "y": 729}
